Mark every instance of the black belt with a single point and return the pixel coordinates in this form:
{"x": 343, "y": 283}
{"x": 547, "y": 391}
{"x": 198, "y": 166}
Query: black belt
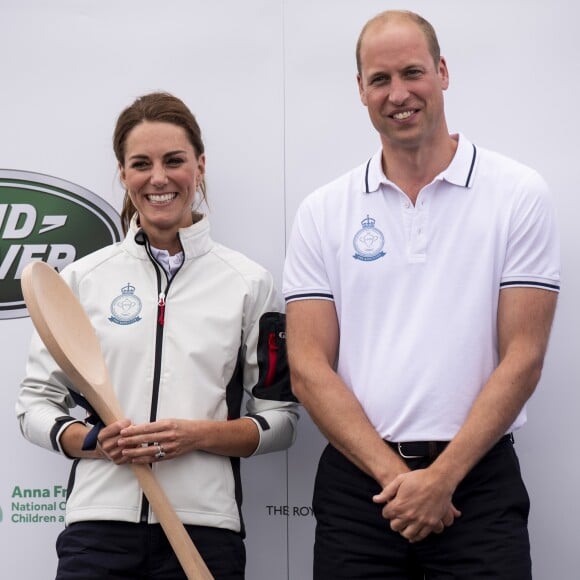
{"x": 430, "y": 449}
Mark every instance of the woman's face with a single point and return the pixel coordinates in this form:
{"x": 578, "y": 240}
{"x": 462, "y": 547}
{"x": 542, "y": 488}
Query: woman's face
{"x": 162, "y": 172}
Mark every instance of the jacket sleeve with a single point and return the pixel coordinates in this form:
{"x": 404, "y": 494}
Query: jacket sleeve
{"x": 44, "y": 400}
{"x": 271, "y": 403}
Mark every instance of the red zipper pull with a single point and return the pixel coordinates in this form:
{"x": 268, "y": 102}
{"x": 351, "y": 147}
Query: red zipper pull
{"x": 161, "y": 308}
{"x": 272, "y": 358}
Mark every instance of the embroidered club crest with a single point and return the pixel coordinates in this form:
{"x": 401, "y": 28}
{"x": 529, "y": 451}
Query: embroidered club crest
{"x": 126, "y": 307}
{"x": 368, "y": 242}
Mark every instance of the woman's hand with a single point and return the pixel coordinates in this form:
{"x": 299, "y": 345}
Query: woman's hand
{"x": 108, "y": 442}
{"x": 170, "y": 438}
{"x": 157, "y": 441}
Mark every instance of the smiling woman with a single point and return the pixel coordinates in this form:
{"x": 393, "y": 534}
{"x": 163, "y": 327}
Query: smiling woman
{"x": 206, "y": 325}
{"x": 155, "y": 135}
{"x": 162, "y": 171}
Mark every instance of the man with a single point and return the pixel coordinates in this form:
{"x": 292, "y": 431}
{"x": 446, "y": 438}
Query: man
{"x": 420, "y": 291}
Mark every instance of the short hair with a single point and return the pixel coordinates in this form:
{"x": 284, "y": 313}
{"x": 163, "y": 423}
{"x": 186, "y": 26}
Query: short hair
{"x": 424, "y": 25}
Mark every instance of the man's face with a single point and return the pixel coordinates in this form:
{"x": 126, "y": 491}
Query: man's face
{"x": 401, "y": 86}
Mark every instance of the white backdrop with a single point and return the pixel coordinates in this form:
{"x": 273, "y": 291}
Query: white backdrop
{"x": 272, "y": 84}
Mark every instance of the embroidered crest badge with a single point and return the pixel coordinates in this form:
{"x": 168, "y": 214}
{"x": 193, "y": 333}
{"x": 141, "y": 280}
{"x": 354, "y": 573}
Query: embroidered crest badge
{"x": 126, "y": 307}
{"x": 368, "y": 242}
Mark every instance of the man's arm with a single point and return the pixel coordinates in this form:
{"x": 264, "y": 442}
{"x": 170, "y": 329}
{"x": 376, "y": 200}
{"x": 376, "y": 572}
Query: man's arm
{"x": 312, "y": 338}
{"x": 418, "y": 499}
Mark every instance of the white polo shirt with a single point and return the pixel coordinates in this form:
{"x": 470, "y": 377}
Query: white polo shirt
{"x": 416, "y": 287}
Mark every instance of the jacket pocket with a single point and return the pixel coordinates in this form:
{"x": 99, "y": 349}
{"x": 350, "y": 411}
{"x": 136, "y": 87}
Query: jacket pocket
{"x": 273, "y": 374}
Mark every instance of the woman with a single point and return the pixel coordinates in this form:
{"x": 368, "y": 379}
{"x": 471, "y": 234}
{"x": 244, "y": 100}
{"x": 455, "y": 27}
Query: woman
{"x": 186, "y": 326}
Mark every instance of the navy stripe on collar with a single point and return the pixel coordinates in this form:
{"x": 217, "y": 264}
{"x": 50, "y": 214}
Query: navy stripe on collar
{"x": 467, "y": 181}
{"x": 471, "y": 167}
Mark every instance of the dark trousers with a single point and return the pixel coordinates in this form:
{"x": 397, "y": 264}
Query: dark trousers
{"x": 124, "y": 551}
{"x": 490, "y": 539}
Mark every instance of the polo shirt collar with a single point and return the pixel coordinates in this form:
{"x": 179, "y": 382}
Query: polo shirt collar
{"x": 373, "y": 175}
{"x": 459, "y": 172}
{"x": 462, "y": 167}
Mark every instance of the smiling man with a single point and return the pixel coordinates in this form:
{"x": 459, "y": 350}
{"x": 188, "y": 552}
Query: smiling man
{"x": 420, "y": 288}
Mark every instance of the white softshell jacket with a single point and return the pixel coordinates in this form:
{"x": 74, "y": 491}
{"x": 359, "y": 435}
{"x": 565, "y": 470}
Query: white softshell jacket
{"x": 190, "y": 348}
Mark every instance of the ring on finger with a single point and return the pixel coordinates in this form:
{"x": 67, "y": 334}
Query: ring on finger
{"x": 160, "y": 453}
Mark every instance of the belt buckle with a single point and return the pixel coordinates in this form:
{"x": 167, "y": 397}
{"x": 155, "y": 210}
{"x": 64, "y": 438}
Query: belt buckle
{"x": 400, "y": 450}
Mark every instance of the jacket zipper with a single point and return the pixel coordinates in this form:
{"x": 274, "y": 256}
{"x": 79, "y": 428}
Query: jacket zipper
{"x": 161, "y": 309}
{"x": 161, "y": 302}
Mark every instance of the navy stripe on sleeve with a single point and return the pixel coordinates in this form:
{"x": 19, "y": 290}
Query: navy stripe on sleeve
{"x": 310, "y": 295}
{"x": 530, "y": 284}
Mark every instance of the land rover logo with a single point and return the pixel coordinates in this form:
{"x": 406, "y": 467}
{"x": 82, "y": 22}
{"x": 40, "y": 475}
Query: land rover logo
{"x": 49, "y": 219}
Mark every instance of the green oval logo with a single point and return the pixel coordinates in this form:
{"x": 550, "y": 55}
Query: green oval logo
{"x": 49, "y": 219}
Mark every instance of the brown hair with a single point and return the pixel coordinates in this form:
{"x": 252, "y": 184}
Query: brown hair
{"x": 160, "y": 107}
{"x": 424, "y": 25}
